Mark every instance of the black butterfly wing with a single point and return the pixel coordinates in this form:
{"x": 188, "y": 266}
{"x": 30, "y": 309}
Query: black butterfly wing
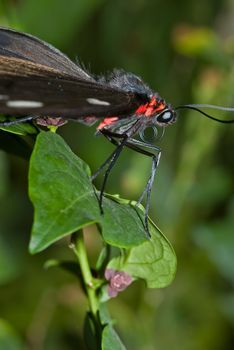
{"x": 14, "y": 44}
{"x": 60, "y": 98}
{"x": 36, "y": 78}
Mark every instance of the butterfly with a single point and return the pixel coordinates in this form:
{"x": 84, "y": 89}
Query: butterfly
{"x": 40, "y": 83}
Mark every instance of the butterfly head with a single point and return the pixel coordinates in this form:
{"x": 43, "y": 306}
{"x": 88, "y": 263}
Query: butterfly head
{"x": 157, "y": 112}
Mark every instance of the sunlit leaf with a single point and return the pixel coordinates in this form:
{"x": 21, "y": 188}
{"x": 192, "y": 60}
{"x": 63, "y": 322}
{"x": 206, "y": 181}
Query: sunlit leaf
{"x": 111, "y": 340}
{"x": 153, "y": 261}
{"x": 18, "y": 129}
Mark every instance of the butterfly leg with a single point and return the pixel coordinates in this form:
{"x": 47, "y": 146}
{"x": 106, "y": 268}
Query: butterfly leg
{"x": 112, "y": 136}
{"x": 107, "y": 161}
{"x": 137, "y": 146}
{"x": 111, "y": 160}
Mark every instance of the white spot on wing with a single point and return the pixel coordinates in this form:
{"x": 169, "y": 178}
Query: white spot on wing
{"x": 95, "y": 101}
{"x": 24, "y": 104}
{"x": 4, "y": 97}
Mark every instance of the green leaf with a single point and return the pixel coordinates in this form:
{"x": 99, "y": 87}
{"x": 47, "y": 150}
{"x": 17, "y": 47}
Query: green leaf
{"x": 104, "y": 315}
{"x": 18, "y": 129}
{"x": 103, "y": 258}
{"x": 60, "y": 189}
{"x": 153, "y": 261}
{"x": 111, "y": 340}
{"x": 122, "y": 224}
{"x": 64, "y": 199}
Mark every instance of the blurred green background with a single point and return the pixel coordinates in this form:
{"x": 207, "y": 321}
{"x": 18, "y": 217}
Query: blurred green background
{"x": 185, "y": 51}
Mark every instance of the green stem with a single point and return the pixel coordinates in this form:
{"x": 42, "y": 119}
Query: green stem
{"x": 78, "y": 247}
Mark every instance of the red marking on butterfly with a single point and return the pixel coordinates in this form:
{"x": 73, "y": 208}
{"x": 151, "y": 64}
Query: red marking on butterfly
{"x": 151, "y": 107}
{"x": 106, "y": 122}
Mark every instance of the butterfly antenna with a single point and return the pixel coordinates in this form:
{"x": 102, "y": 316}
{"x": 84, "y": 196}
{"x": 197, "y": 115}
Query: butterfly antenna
{"x": 196, "y": 107}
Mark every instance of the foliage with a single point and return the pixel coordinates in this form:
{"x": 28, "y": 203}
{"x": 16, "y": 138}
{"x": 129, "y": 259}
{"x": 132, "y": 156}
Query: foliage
{"x": 65, "y": 202}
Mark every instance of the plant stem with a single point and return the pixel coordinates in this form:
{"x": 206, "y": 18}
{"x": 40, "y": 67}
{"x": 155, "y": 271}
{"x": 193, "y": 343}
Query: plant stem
{"x": 78, "y": 247}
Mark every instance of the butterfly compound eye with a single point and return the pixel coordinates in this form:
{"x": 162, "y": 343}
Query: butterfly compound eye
{"x": 166, "y": 117}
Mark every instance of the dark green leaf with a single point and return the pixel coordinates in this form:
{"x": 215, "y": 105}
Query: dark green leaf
{"x": 60, "y": 189}
{"x": 90, "y": 332}
{"x": 122, "y": 224}
{"x": 16, "y": 144}
{"x": 64, "y": 199}
{"x": 69, "y": 266}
